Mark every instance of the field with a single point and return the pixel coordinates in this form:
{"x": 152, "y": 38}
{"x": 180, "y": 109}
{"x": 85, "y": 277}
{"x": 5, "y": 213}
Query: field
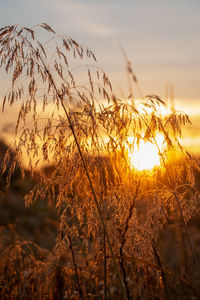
{"x": 108, "y": 207}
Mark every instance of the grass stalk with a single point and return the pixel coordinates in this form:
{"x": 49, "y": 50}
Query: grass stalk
{"x": 196, "y": 267}
{"x": 124, "y": 239}
{"x": 164, "y": 279}
{"x": 75, "y": 268}
{"x": 88, "y": 177}
{"x": 105, "y": 266}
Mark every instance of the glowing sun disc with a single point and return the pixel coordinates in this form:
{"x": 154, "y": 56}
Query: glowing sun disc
{"x": 146, "y": 156}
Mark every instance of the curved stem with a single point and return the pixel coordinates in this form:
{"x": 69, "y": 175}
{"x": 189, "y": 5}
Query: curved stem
{"x": 87, "y": 173}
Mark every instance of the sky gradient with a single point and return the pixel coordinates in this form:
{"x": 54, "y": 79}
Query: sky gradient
{"x": 161, "y": 39}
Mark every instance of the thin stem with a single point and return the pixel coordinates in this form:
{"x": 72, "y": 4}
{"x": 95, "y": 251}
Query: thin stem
{"x": 176, "y": 198}
{"x": 75, "y": 268}
{"x": 187, "y": 231}
{"x": 105, "y": 266}
{"x": 88, "y": 176}
{"x": 124, "y": 239}
{"x": 179, "y": 208}
{"x": 104, "y": 235}
{"x": 166, "y": 271}
{"x": 162, "y": 272}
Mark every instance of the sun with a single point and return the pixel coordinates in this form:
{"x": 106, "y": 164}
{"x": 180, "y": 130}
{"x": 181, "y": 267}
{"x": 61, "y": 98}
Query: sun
{"x": 144, "y": 156}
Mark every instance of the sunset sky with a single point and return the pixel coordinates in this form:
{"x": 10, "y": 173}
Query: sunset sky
{"x": 161, "y": 39}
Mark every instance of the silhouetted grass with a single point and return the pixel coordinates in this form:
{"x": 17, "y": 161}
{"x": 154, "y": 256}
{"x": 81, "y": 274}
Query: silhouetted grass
{"x": 93, "y": 226}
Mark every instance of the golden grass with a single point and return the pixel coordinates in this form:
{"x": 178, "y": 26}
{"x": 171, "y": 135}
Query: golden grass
{"x": 111, "y": 217}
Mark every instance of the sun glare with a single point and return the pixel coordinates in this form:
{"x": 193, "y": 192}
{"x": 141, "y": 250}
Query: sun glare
{"x": 145, "y": 156}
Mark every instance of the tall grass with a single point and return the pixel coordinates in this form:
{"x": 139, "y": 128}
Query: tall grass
{"x": 111, "y": 216}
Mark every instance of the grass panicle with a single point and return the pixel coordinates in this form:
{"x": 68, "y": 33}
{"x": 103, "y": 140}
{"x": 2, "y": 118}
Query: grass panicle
{"x": 111, "y": 217}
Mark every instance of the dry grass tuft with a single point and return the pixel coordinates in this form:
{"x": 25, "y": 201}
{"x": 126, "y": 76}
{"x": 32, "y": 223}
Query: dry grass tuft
{"x": 111, "y": 217}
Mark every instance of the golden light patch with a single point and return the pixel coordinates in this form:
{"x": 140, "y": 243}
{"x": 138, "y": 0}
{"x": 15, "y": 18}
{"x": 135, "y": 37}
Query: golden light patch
{"x": 145, "y": 156}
